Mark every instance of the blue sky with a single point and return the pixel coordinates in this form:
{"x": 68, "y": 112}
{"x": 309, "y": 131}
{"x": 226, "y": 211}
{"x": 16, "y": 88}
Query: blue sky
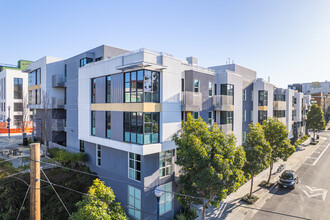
{"x": 289, "y": 41}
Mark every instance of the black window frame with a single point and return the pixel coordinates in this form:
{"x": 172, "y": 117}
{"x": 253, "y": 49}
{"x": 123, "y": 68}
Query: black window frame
{"x": 227, "y": 89}
{"x": 262, "y": 98}
{"x": 226, "y": 117}
{"x": 93, "y": 90}
{"x": 84, "y": 61}
{"x": 18, "y": 88}
{"x": 108, "y": 124}
{"x": 108, "y": 89}
{"x": 93, "y": 123}
{"x": 262, "y": 115}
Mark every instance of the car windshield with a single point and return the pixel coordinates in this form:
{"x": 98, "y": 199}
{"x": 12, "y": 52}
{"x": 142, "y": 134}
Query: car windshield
{"x": 287, "y": 176}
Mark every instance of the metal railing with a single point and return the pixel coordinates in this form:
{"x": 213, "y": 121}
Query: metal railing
{"x": 191, "y": 101}
{"x": 58, "y": 80}
{"x": 223, "y": 102}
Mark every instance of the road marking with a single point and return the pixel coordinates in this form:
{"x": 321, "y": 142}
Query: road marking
{"x": 320, "y": 155}
{"x": 314, "y": 192}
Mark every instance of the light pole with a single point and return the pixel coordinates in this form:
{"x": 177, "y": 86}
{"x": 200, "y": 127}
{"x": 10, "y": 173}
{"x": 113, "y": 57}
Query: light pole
{"x": 33, "y": 125}
{"x": 8, "y": 121}
{"x": 158, "y": 194}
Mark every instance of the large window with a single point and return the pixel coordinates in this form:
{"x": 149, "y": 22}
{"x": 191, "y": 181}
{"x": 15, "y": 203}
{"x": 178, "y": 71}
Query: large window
{"x": 134, "y": 170}
{"x": 142, "y": 86}
{"x": 108, "y": 124}
{"x": 35, "y": 77}
{"x": 279, "y": 97}
{"x": 244, "y": 137}
{"x": 98, "y": 155}
{"x": 134, "y": 202}
{"x": 227, "y": 89}
{"x": 262, "y": 115}
{"x": 18, "y": 120}
{"x": 210, "y": 118}
{"x": 18, "y": 107}
{"x": 244, "y": 115}
{"x": 165, "y": 163}
{"x": 244, "y": 94}
{"x": 263, "y": 98}
{"x": 196, "y": 85}
{"x": 165, "y": 201}
{"x": 226, "y": 117}
{"x": 279, "y": 113}
{"x": 93, "y": 123}
{"x": 141, "y": 128}
{"x": 108, "y": 89}
{"x": 18, "y": 88}
{"x": 85, "y": 61}
{"x": 210, "y": 89}
{"x": 93, "y": 90}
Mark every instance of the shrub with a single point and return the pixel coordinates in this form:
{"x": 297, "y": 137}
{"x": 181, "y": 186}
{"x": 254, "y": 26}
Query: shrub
{"x": 305, "y": 137}
{"x": 249, "y": 199}
{"x": 187, "y": 214}
{"x": 67, "y": 158}
{"x": 265, "y": 184}
{"x": 180, "y": 216}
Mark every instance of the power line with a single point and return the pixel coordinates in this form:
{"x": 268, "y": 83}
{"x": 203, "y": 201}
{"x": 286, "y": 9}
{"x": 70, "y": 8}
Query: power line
{"x": 56, "y": 192}
{"x": 23, "y": 202}
{"x": 104, "y": 177}
{"x": 12, "y": 159}
{"x": 82, "y": 193}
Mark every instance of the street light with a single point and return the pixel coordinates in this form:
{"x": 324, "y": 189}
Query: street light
{"x": 8, "y": 121}
{"x": 158, "y": 194}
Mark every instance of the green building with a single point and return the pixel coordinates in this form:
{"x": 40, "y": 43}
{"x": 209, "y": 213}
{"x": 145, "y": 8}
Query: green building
{"x": 21, "y": 65}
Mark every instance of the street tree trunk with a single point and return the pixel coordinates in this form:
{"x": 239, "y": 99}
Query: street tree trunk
{"x": 270, "y": 170}
{"x": 251, "y": 184}
{"x": 204, "y": 210}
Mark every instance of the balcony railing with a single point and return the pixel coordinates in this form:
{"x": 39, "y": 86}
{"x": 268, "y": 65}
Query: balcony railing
{"x": 226, "y": 128}
{"x": 57, "y": 103}
{"x": 279, "y": 105}
{"x": 191, "y": 101}
{"x": 58, "y": 80}
{"x": 58, "y": 124}
{"x": 223, "y": 103}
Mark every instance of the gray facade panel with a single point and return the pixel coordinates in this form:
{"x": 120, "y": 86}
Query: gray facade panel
{"x": 117, "y": 126}
{"x": 100, "y": 90}
{"x": 117, "y": 88}
{"x": 248, "y": 107}
{"x": 100, "y": 124}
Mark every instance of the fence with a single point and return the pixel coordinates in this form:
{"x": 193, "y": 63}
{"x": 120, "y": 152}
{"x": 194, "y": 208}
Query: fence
{"x": 27, "y": 129}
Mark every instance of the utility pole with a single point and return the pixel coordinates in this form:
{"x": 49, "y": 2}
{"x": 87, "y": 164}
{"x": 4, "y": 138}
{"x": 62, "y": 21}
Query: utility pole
{"x": 35, "y": 181}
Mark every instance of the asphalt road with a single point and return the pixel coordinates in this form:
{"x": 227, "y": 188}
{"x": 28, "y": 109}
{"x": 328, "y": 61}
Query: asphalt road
{"x": 311, "y": 198}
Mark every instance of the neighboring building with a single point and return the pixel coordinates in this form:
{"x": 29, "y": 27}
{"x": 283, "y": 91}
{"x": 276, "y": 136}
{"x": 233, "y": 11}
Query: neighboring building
{"x": 13, "y": 94}
{"x": 53, "y": 92}
{"x": 21, "y": 65}
{"x": 308, "y": 87}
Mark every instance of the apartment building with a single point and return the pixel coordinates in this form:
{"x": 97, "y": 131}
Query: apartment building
{"x": 310, "y": 86}
{"x": 13, "y": 95}
{"x": 21, "y": 65}
{"x": 134, "y": 104}
{"x": 53, "y": 92}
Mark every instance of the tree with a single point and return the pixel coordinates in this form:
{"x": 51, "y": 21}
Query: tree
{"x": 26, "y": 114}
{"x": 44, "y": 121}
{"x": 99, "y": 204}
{"x": 257, "y": 151}
{"x": 210, "y": 161}
{"x": 277, "y": 136}
{"x": 315, "y": 119}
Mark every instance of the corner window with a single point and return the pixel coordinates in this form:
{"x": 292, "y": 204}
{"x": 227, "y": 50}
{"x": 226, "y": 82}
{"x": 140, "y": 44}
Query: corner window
{"x": 263, "y": 98}
{"x": 196, "y": 115}
{"x": 227, "y": 89}
{"x": 98, "y": 155}
{"x": 35, "y": 77}
{"x": 142, "y": 86}
{"x": 279, "y": 97}
{"x": 262, "y": 115}
{"x": 85, "y": 61}
{"x": 108, "y": 124}
{"x": 165, "y": 163}
{"x": 196, "y": 85}
{"x": 93, "y": 90}
{"x": 98, "y": 59}
{"x": 165, "y": 201}
{"x": 108, "y": 89}
{"x": 210, "y": 118}
{"x": 134, "y": 202}
{"x": 210, "y": 89}
{"x": 279, "y": 113}
{"x": 134, "y": 170}
{"x": 93, "y": 123}
{"x": 226, "y": 117}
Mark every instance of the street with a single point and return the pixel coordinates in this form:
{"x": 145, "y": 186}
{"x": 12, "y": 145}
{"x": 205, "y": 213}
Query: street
{"x": 310, "y": 199}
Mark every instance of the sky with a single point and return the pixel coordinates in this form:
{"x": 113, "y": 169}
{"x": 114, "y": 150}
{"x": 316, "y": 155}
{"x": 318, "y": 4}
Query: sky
{"x": 286, "y": 40}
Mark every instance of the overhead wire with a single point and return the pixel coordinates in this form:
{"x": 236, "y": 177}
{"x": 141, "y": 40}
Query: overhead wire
{"x": 23, "y": 202}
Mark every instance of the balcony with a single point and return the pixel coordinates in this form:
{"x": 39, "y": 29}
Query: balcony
{"x": 57, "y": 103}
{"x": 226, "y": 128}
{"x": 58, "y": 124}
{"x": 58, "y": 81}
{"x": 191, "y": 101}
{"x": 223, "y": 103}
{"x": 283, "y": 120}
{"x": 279, "y": 105}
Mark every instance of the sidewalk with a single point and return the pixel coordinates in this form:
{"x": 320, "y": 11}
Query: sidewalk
{"x": 233, "y": 209}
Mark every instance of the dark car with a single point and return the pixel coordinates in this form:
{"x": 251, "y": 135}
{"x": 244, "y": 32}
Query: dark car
{"x": 288, "y": 178}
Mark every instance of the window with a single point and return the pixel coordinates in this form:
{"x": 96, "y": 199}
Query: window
{"x": 134, "y": 170}
{"x": 141, "y": 128}
{"x": 244, "y": 115}
{"x": 98, "y": 155}
{"x": 182, "y": 85}
{"x": 263, "y": 98}
{"x": 18, "y": 107}
{"x": 294, "y": 100}
{"x": 215, "y": 89}
{"x": 142, "y": 86}
{"x": 18, "y": 120}
{"x": 38, "y": 96}
{"x": 226, "y": 117}
{"x": 18, "y": 88}
{"x": 262, "y": 115}
{"x": 244, "y": 137}
{"x": 108, "y": 124}
{"x": 251, "y": 95}
{"x": 227, "y": 89}
{"x": 98, "y": 59}
{"x": 85, "y": 61}
{"x": 210, "y": 118}
{"x": 279, "y": 113}
{"x": 279, "y": 97}
{"x": 93, "y": 123}
{"x": 165, "y": 201}
{"x": 134, "y": 202}
{"x": 196, "y": 85}
{"x": 244, "y": 94}
{"x": 38, "y": 76}
{"x": 165, "y": 163}
{"x": 65, "y": 72}
{"x": 35, "y": 77}
{"x": 82, "y": 146}
{"x": 210, "y": 89}
{"x": 93, "y": 90}
{"x": 195, "y": 115}
{"x": 108, "y": 89}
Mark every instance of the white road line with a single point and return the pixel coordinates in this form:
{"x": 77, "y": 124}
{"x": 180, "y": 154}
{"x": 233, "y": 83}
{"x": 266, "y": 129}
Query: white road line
{"x": 321, "y": 154}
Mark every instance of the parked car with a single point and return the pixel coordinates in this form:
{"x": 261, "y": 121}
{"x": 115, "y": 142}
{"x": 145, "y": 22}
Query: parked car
{"x": 288, "y": 178}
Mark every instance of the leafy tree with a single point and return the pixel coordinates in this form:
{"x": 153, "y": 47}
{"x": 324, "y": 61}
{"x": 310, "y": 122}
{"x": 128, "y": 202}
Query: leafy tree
{"x": 277, "y": 136}
{"x": 211, "y": 163}
{"x": 315, "y": 120}
{"x": 257, "y": 151}
{"x": 99, "y": 204}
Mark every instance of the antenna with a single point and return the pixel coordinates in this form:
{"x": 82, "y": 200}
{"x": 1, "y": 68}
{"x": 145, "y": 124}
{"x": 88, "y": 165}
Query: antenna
{"x": 268, "y": 78}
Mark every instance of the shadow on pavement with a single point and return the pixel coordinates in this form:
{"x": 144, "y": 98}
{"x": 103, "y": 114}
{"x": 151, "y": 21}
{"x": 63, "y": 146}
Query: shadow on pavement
{"x": 278, "y": 213}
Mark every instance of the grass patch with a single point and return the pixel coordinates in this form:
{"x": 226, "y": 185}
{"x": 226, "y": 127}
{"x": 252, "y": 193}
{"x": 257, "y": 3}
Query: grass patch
{"x": 265, "y": 184}
{"x": 249, "y": 199}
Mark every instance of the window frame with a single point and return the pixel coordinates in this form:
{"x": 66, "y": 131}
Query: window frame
{"x": 134, "y": 169}
{"x": 210, "y": 89}
{"x": 165, "y": 194}
{"x": 108, "y": 89}
{"x": 93, "y": 123}
{"x": 198, "y": 85}
{"x": 107, "y": 127}
{"x": 18, "y": 82}
{"x": 163, "y": 169}
{"x": 134, "y": 209}
{"x": 98, "y": 157}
